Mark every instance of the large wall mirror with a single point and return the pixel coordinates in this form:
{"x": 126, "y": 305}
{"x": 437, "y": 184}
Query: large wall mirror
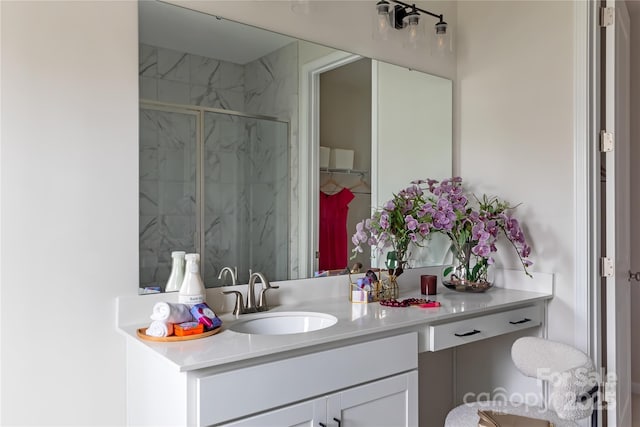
{"x": 232, "y": 119}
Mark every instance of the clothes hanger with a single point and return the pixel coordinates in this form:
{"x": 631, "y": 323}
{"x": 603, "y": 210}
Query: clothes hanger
{"x": 333, "y": 182}
{"x": 361, "y": 183}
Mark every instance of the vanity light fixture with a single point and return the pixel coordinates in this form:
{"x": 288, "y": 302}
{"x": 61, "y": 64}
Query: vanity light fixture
{"x": 383, "y": 20}
{"x": 442, "y": 41}
{"x": 402, "y": 15}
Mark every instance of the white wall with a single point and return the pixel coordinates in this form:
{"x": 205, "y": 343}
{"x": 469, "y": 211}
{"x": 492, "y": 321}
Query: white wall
{"x": 69, "y": 208}
{"x": 514, "y": 121}
{"x": 635, "y": 195}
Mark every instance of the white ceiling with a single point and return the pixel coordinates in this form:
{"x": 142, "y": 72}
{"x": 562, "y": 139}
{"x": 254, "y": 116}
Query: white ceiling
{"x": 181, "y": 29}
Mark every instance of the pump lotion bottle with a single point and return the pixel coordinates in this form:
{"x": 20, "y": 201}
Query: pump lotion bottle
{"x": 192, "y": 290}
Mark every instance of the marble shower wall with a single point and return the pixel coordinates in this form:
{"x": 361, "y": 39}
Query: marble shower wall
{"x": 226, "y": 205}
{"x": 271, "y": 88}
{"x": 183, "y": 78}
{"x": 269, "y": 198}
{"x": 247, "y": 208}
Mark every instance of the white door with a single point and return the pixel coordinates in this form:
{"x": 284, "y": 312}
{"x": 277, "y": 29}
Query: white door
{"x": 618, "y": 334}
{"x": 392, "y": 402}
{"x": 410, "y": 113}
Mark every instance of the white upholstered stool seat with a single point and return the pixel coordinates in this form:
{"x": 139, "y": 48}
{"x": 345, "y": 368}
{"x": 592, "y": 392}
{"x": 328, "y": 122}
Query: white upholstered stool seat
{"x": 467, "y": 415}
{"x": 572, "y": 384}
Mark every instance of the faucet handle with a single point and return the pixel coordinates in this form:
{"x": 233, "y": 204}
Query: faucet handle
{"x": 239, "y": 307}
{"x": 262, "y": 302}
{"x": 226, "y": 271}
{"x": 266, "y": 285}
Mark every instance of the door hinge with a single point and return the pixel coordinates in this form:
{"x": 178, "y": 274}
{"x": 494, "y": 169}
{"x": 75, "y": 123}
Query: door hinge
{"x": 607, "y": 16}
{"x": 609, "y": 395}
{"x": 606, "y": 267}
{"x": 606, "y": 141}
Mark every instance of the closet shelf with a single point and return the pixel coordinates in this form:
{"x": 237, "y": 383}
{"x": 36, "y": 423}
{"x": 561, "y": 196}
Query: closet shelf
{"x": 344, "y": 171}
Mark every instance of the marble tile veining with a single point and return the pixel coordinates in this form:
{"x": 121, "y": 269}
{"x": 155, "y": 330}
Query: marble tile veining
{"x": 173, "y": 65}
{"x": 205, "y": 71}
{"x": 233, "y": 77}
{"x": 148, "y": 201}
{"x": 148, "y": 225}
{"x": 148, "y": 61}
{"x": 176, "y": 130}
{"x": 148, "y": 163}
{"x": 205, "y": 96}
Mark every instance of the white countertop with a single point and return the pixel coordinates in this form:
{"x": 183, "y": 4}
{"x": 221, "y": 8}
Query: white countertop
{"x": 354, "y": 321}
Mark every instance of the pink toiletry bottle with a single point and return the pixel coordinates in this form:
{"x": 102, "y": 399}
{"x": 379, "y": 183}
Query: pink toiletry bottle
{"x": 192, "y": 290}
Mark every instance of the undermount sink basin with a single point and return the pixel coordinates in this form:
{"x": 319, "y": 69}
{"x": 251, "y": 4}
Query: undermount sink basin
{"x": 284, "y": 323}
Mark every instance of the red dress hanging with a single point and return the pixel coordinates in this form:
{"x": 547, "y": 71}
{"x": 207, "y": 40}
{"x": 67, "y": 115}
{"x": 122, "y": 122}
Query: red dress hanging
{"x": 334, "y": 209}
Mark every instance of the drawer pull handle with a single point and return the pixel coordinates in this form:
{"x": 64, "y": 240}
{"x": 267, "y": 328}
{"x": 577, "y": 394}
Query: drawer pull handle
{"x": 337, "y": 420}
{"x": 466, "y": 334}
{"x": 525, "y": 320}
{"x": 322, "y": 424}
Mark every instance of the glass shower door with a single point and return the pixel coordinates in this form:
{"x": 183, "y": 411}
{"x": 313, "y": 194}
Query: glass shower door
{"x": 246, "y": 196}
{"x": 168, "y": 189}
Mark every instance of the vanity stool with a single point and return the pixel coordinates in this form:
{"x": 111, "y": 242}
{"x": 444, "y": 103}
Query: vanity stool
{"x": 573, "y": 384}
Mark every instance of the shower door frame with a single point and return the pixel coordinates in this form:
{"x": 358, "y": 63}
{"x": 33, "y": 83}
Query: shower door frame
{"x": 199, "y": 112}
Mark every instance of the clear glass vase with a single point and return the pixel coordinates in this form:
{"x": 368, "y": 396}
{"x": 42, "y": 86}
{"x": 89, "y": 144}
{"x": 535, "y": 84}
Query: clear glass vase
{"x": 457, "y": 277}
{"x": 396, "y": 262}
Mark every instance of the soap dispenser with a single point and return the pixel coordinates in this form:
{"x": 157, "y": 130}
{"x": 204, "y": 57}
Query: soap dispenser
{"x": 177, "y": 272}
{"x": 192, "y": 290}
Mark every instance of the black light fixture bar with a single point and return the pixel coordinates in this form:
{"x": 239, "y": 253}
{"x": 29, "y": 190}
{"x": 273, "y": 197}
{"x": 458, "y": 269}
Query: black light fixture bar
{"x": 414, "y": 7}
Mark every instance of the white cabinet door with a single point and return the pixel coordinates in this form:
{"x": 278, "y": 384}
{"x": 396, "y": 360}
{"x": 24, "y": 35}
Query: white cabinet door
{"x": 299, "y": 379}
{"x": 391, "y": 402}
{"x": 311, "y": 414}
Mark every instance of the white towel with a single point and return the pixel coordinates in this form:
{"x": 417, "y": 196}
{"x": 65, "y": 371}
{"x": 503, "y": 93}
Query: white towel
{"x": 171, "y": 313}
{"x": 158, "y": 328}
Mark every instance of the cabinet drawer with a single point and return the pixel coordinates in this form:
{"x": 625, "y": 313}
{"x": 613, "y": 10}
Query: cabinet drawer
{"x": 478, "y": 328}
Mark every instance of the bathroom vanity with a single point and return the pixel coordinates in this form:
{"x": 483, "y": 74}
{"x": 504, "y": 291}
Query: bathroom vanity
{"x": 363, "y": 370}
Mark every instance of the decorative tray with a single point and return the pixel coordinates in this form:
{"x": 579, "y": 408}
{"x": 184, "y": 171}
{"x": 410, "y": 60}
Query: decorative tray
{"x": 173, "y": 338}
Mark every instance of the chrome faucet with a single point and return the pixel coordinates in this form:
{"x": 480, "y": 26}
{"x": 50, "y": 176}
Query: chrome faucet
{"x": 228, "y": 271}
{"x": 251, "y": 307}
{"x": 251, "y": 296}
